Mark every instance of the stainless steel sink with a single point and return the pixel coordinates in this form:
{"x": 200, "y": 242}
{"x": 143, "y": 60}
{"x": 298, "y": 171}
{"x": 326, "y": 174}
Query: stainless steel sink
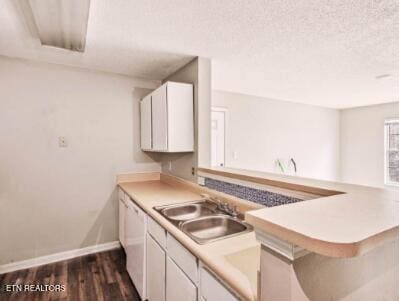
{"x": 183, "y": 213}
{"x": 211, "y": 228}
{"x": 203, "y": 221}
{"x": 187, "y": 211}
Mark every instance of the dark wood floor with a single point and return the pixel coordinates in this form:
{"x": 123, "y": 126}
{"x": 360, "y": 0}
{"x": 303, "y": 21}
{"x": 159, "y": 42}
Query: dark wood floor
{"x": 100, "y": 276}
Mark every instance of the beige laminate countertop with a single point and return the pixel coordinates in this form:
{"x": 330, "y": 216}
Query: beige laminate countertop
{"x": 234, "y": 260}
{"x": 345, "y": 221}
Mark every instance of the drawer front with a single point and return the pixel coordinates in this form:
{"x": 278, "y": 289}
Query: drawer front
{"x": 186, "y": 261}
{"x": 212, "y": 290}
{"x": 157, "y": 232}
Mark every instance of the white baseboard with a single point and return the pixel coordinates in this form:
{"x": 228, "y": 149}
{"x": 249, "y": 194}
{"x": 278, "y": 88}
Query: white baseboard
{"x": 29, "y": 263}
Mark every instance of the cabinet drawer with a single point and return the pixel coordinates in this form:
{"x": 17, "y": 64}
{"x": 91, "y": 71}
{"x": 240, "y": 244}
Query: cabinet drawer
{"x": 212, "y": 290}
{"x": 184, "y": 259}
{"x": 157, "y": 232}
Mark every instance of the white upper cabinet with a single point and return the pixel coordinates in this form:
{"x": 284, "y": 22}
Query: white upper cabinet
{"x": 171, "y": 119}
{"x": 160, "y": 119}
{"x": 145, "y": 123}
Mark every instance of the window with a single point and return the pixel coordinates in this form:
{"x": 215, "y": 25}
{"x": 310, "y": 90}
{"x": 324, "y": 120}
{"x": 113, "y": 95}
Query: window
{"x": 392, "y": 152}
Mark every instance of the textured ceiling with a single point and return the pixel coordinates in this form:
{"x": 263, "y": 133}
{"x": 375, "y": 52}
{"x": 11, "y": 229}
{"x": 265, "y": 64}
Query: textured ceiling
{"x": 323, "y": 52}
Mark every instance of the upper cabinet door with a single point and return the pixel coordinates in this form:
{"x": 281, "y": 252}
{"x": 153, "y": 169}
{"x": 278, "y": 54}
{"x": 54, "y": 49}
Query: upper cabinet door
{"x": 146, "y": 123}
{"x": 180, "y": 117}
{"x": 160, "y": 119}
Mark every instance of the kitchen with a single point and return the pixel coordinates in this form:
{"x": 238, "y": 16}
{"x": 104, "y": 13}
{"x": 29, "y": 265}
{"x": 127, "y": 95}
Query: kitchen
{"x": 142, "y": 164}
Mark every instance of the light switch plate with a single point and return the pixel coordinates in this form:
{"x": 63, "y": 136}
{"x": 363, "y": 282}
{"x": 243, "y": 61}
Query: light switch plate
{"x": 201, "y": 181}
{"x": 62, "y": 142}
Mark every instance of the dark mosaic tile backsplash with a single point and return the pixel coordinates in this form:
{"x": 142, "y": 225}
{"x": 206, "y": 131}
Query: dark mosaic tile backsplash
{"x": 266, "y": 198}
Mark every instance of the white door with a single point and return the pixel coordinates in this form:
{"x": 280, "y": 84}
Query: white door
{"x": 135, "y": 246}
{"x": 159, "y": 119}
{"x": 178, "y": 286}
{"x": 122, "y": 217}
{"x": 146, "y": 123}
{"x": 218, "y": 137}
{"x": 156, "y": 265}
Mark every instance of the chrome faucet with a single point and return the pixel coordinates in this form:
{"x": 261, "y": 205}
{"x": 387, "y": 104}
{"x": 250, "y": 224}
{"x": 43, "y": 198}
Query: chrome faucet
{"x": 226, "y": 208}
{"x": 293, "y": 163}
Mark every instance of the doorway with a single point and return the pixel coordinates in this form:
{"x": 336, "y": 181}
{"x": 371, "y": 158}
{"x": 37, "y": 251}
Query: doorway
{"x": 218, "y": 136}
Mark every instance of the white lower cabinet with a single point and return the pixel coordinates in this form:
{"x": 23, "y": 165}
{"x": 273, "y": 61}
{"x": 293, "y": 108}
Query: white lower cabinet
{"x": 212, "y": 290}
{"x": 156, "y": 266}
{"x": 186, "y": 261}
{"x": 178, "y": 286}
{"x": 161, "y": 268}
{"x": 122, "y": 217}
{"x": 157, "y": 232}
{"x": 136, "y": 230}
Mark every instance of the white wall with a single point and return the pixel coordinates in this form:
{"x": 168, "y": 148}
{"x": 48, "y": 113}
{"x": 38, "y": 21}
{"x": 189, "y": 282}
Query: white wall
{"x": 362, "y": 143}
{"x": 261, "y": 130}
{"x": 55, "y": 199}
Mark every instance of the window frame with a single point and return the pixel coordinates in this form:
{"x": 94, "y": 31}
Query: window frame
{"x": 387, "y": 180}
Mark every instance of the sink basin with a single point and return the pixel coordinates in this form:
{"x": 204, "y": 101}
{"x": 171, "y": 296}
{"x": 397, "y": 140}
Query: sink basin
{"x": 210, "y": 228}
{"x": 203, "y": 221}
{"x": 187, "y": 211}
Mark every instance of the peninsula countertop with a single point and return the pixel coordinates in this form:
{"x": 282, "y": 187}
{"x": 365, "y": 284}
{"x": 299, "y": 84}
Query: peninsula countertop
{"x": 345, "y": 221}
{"x": 234, "y": 260}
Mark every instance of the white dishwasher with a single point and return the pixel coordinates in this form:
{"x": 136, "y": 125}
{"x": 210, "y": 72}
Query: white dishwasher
{"x": 135, "y": 231}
